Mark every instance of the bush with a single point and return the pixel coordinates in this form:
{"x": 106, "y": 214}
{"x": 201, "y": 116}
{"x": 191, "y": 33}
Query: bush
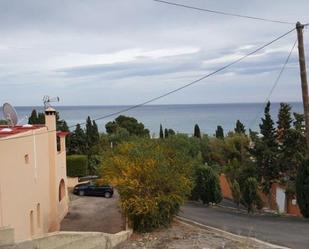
{"x": 236, "y": 193}
{"x": 250, "y": 195}
{"x": 207, "y": 186}
{"x": 302, "y": 188}
{"x": 152, "y": 178}
{"x": 77, "y": 165}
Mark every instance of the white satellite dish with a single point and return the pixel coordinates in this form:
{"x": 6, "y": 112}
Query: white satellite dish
{"x": 10, "y": 114}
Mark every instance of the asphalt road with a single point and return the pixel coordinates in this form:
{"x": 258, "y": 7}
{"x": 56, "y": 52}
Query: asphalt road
{"x": 285, "y": 231}
{"x": 95, "y": 214}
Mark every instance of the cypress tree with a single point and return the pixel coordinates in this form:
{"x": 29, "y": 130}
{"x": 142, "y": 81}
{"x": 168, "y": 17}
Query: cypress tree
{"x": 95, "y": 133}
{"x": 240, "y": 128}
{"x": 250, "y": 195}
{"x": 302, "y": 188}
{"x": 33, "y": 119}
{"x": 197, "y": 132}
{"x": 219, "y": 132}
{"x": 161, "y": 132}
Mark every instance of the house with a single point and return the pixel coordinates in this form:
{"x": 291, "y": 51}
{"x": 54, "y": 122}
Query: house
{"x": 33, "y": 192}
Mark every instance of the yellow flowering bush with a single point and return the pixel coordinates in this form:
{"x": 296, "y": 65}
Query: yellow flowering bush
{"x": 153, "y": 179}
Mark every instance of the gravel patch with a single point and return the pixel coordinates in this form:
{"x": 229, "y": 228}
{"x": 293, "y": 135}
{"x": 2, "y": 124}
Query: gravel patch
{"x": 183, "y": 236}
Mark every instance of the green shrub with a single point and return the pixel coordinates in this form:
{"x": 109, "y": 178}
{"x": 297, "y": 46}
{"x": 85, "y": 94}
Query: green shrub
{"x": 236, "y": 193}
{"x": 207, "y": 186}
{"x": 302, "y": 188}
{"x": 250, "y": 194}
{"x": 77, "y": 165}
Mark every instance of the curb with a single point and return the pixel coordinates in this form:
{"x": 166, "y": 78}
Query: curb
{"x": 228, "y": 234}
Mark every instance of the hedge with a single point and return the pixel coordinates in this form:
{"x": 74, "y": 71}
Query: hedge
{"x": 77, "y": 165}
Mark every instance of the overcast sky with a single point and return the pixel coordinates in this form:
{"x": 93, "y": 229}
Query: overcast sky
{"x": 100, "y": 52}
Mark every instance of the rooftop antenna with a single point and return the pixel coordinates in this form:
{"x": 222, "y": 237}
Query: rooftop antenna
{"x": 47, "y": 100}
{"x": 10, "y": 114}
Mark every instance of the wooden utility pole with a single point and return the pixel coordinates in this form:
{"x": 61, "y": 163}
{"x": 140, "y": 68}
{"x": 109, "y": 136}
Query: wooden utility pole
{"x": 303, "y": 76}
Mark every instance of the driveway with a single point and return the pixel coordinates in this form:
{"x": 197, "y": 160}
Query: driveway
{"x": 286, "y": 231}
{"x": 95, "y": 214}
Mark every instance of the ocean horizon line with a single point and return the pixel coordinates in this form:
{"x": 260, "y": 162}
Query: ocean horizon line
{"x": 177, "y": 104}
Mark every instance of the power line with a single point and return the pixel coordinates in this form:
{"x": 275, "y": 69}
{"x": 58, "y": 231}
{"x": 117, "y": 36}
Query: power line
{"x": 275, "y": 82}
{"x": 179, "y": 88}
{"x": 224, "y": 13}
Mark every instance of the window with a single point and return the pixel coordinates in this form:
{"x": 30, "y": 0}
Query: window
{"x": 61, "y": 190}
{"x": 26, "y": 157}
{"x": 58, "y": 144}
{"x": 31, "y": 223}
{"x": 38, "y": 214}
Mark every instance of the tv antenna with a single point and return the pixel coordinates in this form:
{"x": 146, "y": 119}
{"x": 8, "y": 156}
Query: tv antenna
{"x": 10, "y": 114}
{"x": 47, "y": 100}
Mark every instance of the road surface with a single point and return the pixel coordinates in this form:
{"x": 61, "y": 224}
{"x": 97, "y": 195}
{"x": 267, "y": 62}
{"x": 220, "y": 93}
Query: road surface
{"x": 285, "y": 231}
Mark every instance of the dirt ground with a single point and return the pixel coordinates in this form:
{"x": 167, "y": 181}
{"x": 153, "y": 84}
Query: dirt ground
{"x": 95, "y": 214}
{"x": 183, "y": 236}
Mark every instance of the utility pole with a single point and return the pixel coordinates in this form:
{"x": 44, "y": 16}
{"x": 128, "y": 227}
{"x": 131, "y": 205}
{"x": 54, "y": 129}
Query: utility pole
{"x": 303, "y": 76}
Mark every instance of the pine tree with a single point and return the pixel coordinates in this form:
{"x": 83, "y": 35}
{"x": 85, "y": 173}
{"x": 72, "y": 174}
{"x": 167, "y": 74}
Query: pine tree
{"x": 77, "y": 141}
{"x": 219, "y": 132}
{"x": 266, "y": 151}
{"x": 240, "y": 128}
{"x": 197, "y": 132}
{"x": 299, "y": 122}
{"x": 89, "y": 133}
{"x": 166, "y": 133}
{"x": 284, "y": 121}
{"x": 267, "y": 128}
{"x": 161, "y": 132}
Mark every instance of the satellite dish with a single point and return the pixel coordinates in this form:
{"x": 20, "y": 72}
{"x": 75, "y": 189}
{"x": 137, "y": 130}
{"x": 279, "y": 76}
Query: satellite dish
{"x": 10, "y": 114}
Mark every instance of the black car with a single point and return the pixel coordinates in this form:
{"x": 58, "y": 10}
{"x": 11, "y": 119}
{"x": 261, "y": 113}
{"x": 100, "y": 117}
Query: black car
{"x": 93, "y": 189}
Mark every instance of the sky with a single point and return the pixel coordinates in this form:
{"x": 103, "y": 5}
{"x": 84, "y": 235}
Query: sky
{"x": 123, "y": 52}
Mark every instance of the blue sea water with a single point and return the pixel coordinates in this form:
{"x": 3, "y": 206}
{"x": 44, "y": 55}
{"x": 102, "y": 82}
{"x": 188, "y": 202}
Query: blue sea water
{"x": 181, "y": 118}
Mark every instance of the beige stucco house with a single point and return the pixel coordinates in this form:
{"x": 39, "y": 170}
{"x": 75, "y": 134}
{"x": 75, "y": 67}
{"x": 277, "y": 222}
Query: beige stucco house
{"x": 33, "y": 192}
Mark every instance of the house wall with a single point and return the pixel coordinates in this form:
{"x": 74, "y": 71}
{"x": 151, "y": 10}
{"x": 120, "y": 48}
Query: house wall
{"x": 225, "y": 187}
{"x": 31, "y": 170}
{"x": 23, "y": 178}
{"x": 293, "y": 208}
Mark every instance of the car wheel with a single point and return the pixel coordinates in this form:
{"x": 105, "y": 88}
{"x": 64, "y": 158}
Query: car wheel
{"x": 107, "y": 195}
{"x": 81, "y": 193}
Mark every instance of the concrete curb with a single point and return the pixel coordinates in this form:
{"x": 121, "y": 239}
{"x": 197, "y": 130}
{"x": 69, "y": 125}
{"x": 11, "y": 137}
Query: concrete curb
{"x": 228, "y": 234}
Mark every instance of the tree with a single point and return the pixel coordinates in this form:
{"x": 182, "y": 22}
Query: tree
{"x": 299, "y": 122}
{"x": 169, "y": 132}
{"x": 3, "y": 122}
{"x": 33, "y": 119}
{"x": 302, "y": 188}
{"x": 250, "y": 195}
{"x": 207, "y": 186}
{"x": 197, "y": 132}
{"x": 130, "y": 124}
{"x": 161, "y": 132}
{"x": 284, "y": 121}
{"x": 240, "y": 128}
{"x": 266, "y": 151}
{"x": 77, "y": 141}
{"x": 219, "y": 132}
{"x": 152, "y": 179}
{"x": 236, "y": 193}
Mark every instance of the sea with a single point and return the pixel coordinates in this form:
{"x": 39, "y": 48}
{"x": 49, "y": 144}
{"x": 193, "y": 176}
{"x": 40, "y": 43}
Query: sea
{"x": 181, "y": 117}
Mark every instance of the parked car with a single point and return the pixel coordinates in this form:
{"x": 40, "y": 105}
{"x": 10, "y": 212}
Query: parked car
{"x": 91, "y": 188}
